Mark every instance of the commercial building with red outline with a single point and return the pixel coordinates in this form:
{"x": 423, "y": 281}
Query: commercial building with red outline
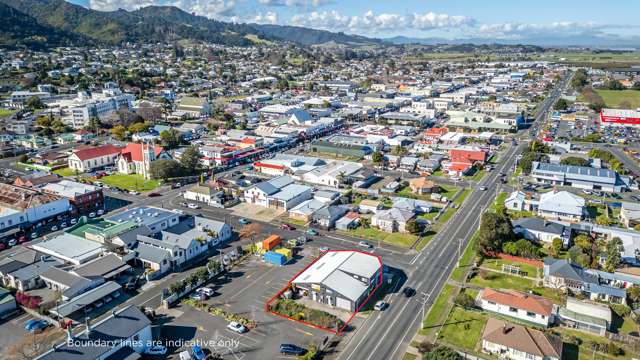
{"x": 373, "y": 287}
{"x": 620, "y": 117}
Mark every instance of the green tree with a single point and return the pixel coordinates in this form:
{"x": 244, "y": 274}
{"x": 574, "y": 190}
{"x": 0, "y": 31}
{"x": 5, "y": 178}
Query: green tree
{"x": 190, "y": 160}
{"x": 282, "y": 84}
{"x": 574, "y": 160}
{"x": 118, "y": 132}
{"x": 580, "y": 78}
{"x": 165, "y": 169}
{"x": 412, "y": 226}
{"x": 139, "y": 127}
{"x": 614, "y": 85}
{"x": 556, "y": 246}
{"x": 561, "y": 104}
{"x": 614, "y": 248}
{"x": 442, "y": 353}
{"x": 495, "y": 229}
{"x": 171, "y": 138}
{"x": 399, "y": 150}
{"x": 377, "y": 157}
{"x": 574, "y": 252}
{"x": 583, "y": 241}
{"x": 94, "y": 125}
{"x": 34, "y": 102}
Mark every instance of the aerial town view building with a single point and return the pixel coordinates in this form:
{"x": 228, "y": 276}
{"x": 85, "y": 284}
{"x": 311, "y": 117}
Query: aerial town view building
{"x": 310, "y": 179}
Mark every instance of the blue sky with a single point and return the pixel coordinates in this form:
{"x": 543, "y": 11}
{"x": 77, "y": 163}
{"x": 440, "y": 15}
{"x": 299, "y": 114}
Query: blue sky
{"x": 454, "y": 19}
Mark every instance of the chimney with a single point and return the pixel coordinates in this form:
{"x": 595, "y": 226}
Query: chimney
{"x": 88, "y": 326}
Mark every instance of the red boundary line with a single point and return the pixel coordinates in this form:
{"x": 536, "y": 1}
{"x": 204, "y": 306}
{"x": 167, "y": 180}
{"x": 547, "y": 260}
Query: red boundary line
{"x": 339, "y": 331}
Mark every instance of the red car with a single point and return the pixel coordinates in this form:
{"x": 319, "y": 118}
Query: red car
{"x": 287, "y": 227}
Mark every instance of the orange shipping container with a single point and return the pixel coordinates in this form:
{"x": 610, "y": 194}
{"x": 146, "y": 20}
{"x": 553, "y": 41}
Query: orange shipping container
{"x": 271, "y": 242}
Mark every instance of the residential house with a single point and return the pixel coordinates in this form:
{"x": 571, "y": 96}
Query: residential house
{"x": 349, "y": 221}
{"x": 564, "y": 275}
{"x": 413, "y": 205}
{"x": 423, "y": 186}
{"x": 327, "y": 216}
{"x": 367, "y": 206}
{"x": 193, "y": 106}
{"x": 562, "y": 205}
{"x": 392, "y": 220}
{"x": 517, "y": 342}
{"x": 205, "y": 193}
{"x": 522, "y": 306}
{"x": 541, "y": 230}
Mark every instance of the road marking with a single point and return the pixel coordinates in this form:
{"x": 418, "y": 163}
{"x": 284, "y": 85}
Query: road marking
{"x": 306, "y": 333}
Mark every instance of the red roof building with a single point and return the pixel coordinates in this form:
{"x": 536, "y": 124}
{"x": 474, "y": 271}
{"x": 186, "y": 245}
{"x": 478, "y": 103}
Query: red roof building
{"x": 471, "y": 155}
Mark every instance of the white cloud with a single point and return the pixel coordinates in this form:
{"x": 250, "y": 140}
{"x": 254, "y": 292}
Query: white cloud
{"x": 371, "y": 23}
{"x": 515, "y": 30}
{"x": 298, "y": 3}
{"x": 269, "y": 17}
{"x": 208, "y": 8}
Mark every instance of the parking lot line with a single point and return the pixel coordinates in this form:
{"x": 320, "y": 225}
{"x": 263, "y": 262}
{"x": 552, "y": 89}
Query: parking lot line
{"x": 306, "y": 333}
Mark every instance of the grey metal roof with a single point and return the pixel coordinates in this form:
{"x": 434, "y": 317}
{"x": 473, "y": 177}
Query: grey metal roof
{"x": 120, "y": 327}
{"x": 291, "y": 191}
{"x": 83, "y": 300}
{"x": 63, "y": 277}
{"x": 102, "y": 266}
{"x": 151, "y": 253}
{"x": 537, "y": 224}
{"x": 33, "y": 270}
{"x": 585, "y": 173}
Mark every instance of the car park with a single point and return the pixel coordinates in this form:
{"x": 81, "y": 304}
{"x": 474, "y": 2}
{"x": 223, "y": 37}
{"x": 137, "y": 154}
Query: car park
{"x": 237, "y": 327}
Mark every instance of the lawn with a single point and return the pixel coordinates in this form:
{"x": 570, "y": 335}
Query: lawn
{"x": 374, "y": 235}
{"x": 477, "y": 175}
{"x": 496, "y": 264}
{"x": 425, "y": 240}
{"x": 449, "y": 191}
{"x": 502, "y": 281}
{"x": 463, "y": 328}
{"x": 584, "y": 352}
{"x": 460, "y": 199}
{"x": 7, "y": 112}
{"x": 437, "y": 309}
{"x": 447, "y": 215}
{"x": 621, "y": 98}
{"x": 499, "y": 202}
{"x": 65, "y": 171}
{"x": 130, "y": 182}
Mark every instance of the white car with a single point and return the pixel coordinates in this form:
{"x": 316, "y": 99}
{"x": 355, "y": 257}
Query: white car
{"x": 380, "y": 305}
{"x": 237, "y": 327}
{"x": 156, "y": 350}
{"x": 92, "y": 215}
{"x": 54, "y": 228}
{"x": 100, "y": 212}
{"x": 206, "y": 290}
{"x": 133, "y": 192}
{"x": 73, "y": 221}
{"x": 193, "y": 206}
{"x": 364, "y": 244}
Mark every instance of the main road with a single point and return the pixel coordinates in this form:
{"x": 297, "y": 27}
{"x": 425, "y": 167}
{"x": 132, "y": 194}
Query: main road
{"x": 386, "y": 334}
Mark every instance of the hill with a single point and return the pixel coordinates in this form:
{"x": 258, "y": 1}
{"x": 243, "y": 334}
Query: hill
{"x": 20, "y": 29}
{"x": 157, "y": 24}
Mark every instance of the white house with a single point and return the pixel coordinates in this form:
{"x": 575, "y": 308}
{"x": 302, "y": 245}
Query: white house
{"x": 516, "y": 342}
{"x": 519, "y": 305}
{"x": 279, "y": 193}
{"x": 562, "y": 205}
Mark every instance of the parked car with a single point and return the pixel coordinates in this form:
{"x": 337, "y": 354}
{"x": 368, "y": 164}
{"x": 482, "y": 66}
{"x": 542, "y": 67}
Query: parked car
{"x": 100, "y": 212}
{"x": 206, "y": 290}
{"x": 287, "y": 227}
{"x": 200, "y": 296}
{"x": 36, "y": 325}
{"x": 193, "y": 206}
{"x": 237, "y": 327}
{"x": 244, "y": 221}
{"x": 92, "y": 215}
{"x": 154, "y": 194}
{"x": 324, "y": 249}
{"x": 364, "y": 244}
{"x": 290, "y": 349}
{"x": 54, "y": 228}
{"x": 133, "y": 192}
{"x": 197, "y": 353}
{"x": 185, "y": 355}
{"x": 63, "y": 225}
{"x": 312, "y": 232}
{"x": 380, "y": 305}
{"x": 156, "y": 350}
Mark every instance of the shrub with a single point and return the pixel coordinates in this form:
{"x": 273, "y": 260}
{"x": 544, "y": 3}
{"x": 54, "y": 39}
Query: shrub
{"x": 621, "y": 310}
{"x": 465, "y": 300}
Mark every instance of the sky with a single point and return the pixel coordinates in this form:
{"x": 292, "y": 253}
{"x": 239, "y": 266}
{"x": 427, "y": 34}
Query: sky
{"x": 449, "y": 19}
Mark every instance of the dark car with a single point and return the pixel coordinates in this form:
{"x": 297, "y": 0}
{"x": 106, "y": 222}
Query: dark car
{"x": 290, "y": 349}
{"x": 408, "y": 291}
{"x": 154, "y": 194}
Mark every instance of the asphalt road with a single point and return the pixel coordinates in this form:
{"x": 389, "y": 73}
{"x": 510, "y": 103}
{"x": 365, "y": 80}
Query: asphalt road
{"x": 387, "y": 335}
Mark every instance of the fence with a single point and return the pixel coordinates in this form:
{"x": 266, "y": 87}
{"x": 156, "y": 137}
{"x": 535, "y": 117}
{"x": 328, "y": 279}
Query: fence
{"x": 532, "y": 262}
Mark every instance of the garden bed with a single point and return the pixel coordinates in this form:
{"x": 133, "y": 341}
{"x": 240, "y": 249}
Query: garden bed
{"x": 296, "y": 311}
